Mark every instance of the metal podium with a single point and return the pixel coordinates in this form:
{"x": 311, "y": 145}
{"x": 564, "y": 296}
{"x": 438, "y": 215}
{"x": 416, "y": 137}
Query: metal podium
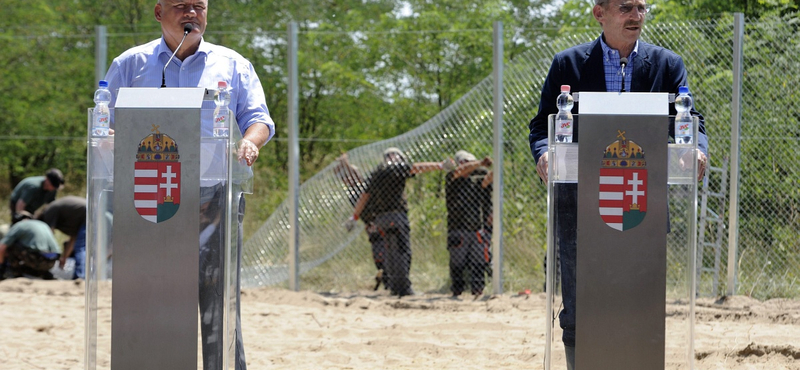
{"x": 163, "y": 195}
{"x": 629, "y": 200}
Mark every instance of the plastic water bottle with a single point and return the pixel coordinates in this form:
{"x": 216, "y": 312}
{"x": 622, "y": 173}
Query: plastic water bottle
{"x": 564, "y": 122}
{"x": 221, "y": 125}
{"x": 101, "y": 116}
{"x": 683, "y": 120}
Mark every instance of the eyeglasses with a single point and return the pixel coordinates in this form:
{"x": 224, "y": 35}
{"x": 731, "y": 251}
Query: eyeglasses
{"x": 641, "y": 8}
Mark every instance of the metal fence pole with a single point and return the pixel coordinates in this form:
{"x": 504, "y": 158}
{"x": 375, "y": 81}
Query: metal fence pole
{"x": 497, "y": 194}
{"x": 294, "y": 162}
{"x": 100, "y": 53}
{"x": 736, "y": 122}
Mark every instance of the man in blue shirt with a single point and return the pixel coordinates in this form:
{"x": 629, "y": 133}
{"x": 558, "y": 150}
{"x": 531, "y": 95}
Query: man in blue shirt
{"x": 596, "y": 66}
{"x": 201, "y": 64}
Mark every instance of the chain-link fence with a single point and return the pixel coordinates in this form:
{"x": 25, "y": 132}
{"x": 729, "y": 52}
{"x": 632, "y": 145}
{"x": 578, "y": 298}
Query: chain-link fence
{"x": 767, "y": 263}
{"x": 335, "y": 257}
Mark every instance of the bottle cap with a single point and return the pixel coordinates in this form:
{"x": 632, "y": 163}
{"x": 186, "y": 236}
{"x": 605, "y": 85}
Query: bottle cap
{"x": 565, "y": 88}
{"x": 103, "y": 83}
{"x": 683, "y": 90}
{"x": 222, "y": 84}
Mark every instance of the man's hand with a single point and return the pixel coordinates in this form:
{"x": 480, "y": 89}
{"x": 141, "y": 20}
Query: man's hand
{"x": 702, "y": 163}
{"x": 254, "y": 138}
{"x": 248, "y": 151}
{"x": 486, "y": 161}
{"x": 448, "y": 164}
{"x": 350, "y": 224}
{"x": 62, "y": 261}
{"x": 541, "y": 167}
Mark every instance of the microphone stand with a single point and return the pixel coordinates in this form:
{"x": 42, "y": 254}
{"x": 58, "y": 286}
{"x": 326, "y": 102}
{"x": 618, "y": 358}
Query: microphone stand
{"x": 187, "y": 28}
{"x": 623, "y": 62}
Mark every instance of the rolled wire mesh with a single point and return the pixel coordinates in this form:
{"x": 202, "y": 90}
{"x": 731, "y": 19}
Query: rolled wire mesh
{"x": 333, "y": 258}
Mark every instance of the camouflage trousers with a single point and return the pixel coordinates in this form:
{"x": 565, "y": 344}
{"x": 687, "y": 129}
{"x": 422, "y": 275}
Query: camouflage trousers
{"x": 21, "y": 261}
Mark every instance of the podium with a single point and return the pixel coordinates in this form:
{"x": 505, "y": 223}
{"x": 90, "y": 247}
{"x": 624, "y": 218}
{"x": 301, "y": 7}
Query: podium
{"x": 162, "y": 234}
{"x": 622, "y": 210}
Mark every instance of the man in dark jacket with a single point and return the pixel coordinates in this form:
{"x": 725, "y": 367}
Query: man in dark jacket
{"x": 596, "y": 66}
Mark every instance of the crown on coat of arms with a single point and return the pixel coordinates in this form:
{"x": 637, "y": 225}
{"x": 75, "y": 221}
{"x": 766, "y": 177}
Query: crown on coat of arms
{"x": 623, "y": 153}
{"x": 157, "y": 147}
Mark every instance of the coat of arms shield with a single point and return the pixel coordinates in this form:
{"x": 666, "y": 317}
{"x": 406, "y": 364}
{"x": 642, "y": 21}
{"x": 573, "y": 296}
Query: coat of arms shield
{"x": 623, "y": 184}
{"x": 157, "y": 178}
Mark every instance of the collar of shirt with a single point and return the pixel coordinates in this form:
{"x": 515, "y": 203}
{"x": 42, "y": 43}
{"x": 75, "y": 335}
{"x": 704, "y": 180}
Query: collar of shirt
{"x": 611, "y": 66}
{"x": 163, "y": 49}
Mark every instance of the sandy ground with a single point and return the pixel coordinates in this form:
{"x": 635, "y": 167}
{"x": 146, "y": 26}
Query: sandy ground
{"x": 43, "y": 328}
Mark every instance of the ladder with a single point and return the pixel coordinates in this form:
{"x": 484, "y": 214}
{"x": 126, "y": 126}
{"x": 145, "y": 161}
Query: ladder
{"x": 711, "y": 227}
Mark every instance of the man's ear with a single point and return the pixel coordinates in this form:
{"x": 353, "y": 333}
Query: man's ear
{"x": 157, "y": 12}
{"x": 598, "y": 13}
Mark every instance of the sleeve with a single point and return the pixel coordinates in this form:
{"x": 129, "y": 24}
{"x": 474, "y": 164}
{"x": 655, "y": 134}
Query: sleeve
{"x": 252, "y": 105}
{"x": 10, "y": 237}
{"x": 547, "y": 106}
{"x": 26, "y": 193}
{"x": 115, "y": 81}
{"x": 369, "y": 183}
{"x": 404, "y": 169}
{"x": 50, "y": 217}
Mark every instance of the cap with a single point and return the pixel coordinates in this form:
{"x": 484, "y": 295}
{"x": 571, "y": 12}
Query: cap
{"x": 55, "y": 176}
{"x": 393, "y": 150}
{"x": 463, "y": 156}
{"x": 683, "y": 90}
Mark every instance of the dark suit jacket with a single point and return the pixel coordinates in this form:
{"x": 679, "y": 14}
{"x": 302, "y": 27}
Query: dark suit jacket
{"x": 655, "y": 69}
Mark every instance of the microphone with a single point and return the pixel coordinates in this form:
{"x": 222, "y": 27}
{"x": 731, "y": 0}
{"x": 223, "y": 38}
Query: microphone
{"x": 187, "y": 28}
{"x": 623, "y": 62}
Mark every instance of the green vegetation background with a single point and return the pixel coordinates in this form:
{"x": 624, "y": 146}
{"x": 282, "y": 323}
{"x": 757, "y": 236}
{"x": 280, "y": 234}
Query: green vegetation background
{"x": 370, "y": 70}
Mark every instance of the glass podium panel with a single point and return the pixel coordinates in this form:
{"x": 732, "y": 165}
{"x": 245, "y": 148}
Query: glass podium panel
{"x": 681, "y": 240}
{"x": 223, "y": 180}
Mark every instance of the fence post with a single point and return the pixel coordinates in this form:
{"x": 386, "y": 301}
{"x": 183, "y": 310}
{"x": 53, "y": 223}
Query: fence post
{"x": 736, "y": 123}
{"x": 497, "y": 168}
{"x": 294, "y": 162}
{"x": 100, "y": 54}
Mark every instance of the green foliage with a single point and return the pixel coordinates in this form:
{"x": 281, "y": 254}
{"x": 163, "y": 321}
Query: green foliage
{"x": 710, "y": 9}
{"x": 41, "y": 65}
{"x": 376, "y": 69}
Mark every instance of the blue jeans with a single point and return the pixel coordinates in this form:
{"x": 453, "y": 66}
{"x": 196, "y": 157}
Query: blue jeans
{"x": 566, "y": 234}
{"x": 79, "y": 253}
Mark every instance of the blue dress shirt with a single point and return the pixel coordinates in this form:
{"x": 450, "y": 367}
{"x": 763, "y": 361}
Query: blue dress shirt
{"x": 141, "y": 66}
{"x": 611, "y": 66}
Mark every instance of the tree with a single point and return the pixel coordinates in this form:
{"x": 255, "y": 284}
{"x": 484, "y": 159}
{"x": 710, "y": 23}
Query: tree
{"x": 44, "y": 55}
